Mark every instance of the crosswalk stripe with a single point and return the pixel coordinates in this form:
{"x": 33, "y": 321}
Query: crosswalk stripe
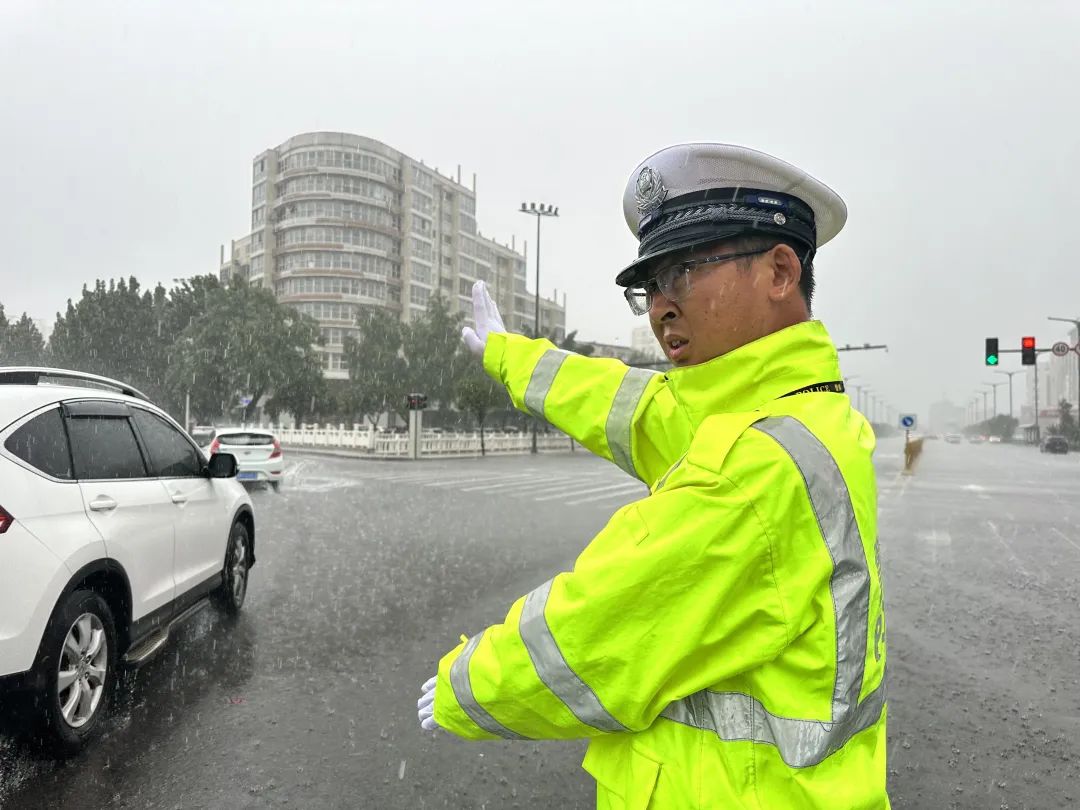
{"x": 464, "y": 481}
{"x": 535, "y": 484}
{"x": 521, "y": 483}
{"x": 627, "y": 485}
{"x": 607, "y": 497}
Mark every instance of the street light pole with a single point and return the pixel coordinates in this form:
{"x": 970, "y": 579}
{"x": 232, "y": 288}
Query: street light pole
{"x": 1010, "y": 373}
{"x": 995, "y": 387}
{"x": 542, "y": 210}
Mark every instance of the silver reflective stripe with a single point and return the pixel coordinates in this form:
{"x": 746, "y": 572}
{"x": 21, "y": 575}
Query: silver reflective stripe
{"x": 735, "y": 716}
{"x": 542, "y": 377}
{"x": 552, "y": 668}
{"x": 462, "y": 685}
{"x": 621, "y": 416}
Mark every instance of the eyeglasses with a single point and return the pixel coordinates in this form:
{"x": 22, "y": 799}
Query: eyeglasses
{"x": 673, "y": 280}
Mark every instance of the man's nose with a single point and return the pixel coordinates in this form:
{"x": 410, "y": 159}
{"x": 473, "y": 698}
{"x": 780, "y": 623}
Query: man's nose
{"x": 661, "y": 308}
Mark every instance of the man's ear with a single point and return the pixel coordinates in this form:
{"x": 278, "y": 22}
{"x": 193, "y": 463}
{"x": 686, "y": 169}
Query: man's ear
{"x": 787, "y": 272}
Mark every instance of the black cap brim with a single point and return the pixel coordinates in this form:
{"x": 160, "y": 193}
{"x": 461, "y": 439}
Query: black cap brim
{"x": 645, "y": 266}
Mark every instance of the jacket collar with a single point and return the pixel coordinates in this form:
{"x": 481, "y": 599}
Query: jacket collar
{"x": 748, "y": 377}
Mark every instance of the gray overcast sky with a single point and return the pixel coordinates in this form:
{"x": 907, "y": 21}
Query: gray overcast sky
{"x": 950, "y": 129}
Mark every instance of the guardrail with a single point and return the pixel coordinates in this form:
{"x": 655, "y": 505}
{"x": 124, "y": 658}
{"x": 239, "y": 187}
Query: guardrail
{"x": 368, "y": 441}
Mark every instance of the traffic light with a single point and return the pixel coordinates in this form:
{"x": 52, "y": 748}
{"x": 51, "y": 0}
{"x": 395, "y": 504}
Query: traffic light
{"x": 992, "y": 357}
{"x": 416, "y": 402}
{"x": 1027, "y": 351}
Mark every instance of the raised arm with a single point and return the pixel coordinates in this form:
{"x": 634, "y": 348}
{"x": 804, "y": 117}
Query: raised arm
{"x": 623, "y": 414}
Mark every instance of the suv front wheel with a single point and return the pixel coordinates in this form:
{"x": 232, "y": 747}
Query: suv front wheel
{"x": 78, "y": 669}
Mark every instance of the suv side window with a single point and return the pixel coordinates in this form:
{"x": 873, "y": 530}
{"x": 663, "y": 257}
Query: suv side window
{"x": 104, "y": 447}
{"x": 171, "y": 454}
{"x": 42, "y": 443}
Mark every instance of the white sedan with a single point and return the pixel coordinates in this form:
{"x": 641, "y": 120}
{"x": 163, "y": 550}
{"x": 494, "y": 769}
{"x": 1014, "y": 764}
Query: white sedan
{"x": 257, "y": 451}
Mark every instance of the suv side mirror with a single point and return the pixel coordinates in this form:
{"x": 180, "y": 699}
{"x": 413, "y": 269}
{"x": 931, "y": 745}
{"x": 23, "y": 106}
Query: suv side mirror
{"x": 222, "y": 465}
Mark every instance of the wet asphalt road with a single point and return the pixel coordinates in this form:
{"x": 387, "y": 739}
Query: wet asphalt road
{"x": 368, "y": 572}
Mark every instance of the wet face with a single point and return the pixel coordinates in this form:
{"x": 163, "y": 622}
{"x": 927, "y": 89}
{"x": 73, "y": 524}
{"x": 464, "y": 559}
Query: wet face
{"x": 729, "y": 304}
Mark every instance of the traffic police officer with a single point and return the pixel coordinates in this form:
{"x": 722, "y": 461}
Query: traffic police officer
{"x": 721, "y": 641}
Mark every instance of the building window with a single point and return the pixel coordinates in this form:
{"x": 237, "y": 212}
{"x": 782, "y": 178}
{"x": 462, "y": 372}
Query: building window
{"x": 420, "y": 249}
{"x": 332, "y": 285}
{"x": 421, "y": 273}
{"x": 328, "y": 311}
{"x": 335, "y": 209}
{"x": 336, "y": 260}
{"x": 419, "y": 295}
{"x": 336, "y": 235}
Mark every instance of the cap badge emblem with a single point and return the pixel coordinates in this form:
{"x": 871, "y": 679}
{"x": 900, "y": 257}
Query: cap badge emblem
{"x": 651, "y": 191}
{"x": 779, "y": 218}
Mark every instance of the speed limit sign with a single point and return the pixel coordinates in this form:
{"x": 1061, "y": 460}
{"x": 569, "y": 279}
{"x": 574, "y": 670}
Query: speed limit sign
{"x": 1060, "y": 349}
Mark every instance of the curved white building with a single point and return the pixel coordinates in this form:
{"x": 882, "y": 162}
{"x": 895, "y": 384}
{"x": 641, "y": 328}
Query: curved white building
{"x": 341, "y": 222}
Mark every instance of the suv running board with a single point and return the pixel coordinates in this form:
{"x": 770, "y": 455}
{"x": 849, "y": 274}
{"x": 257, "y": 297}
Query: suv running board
{"x": 137, "y": 656}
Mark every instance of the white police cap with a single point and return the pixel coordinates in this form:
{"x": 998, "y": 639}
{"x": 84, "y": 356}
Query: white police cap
{"x": 687, "y": 196}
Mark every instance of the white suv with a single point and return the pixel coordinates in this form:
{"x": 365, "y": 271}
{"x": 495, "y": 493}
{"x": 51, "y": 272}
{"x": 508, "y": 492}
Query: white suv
{"x": 114, "y": 528}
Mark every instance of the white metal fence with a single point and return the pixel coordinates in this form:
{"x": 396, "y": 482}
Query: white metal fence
{"x": 368, "y": 441}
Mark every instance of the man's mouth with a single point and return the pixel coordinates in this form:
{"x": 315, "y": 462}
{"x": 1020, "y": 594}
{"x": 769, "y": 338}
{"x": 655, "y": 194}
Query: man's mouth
{"x": 676, "y": 347}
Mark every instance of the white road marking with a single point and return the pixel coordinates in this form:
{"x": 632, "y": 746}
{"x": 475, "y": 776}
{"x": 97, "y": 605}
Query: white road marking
{"x": 625, "y": 485}
{"x": 1008, "y": 548}
{"x": 641, "y": 493}
{"x": 1065, "y": 537}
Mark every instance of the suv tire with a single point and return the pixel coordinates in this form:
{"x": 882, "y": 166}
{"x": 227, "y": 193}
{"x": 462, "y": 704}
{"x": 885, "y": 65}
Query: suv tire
{"x": 77, "y": 667}
{"x": 230, "y": 596}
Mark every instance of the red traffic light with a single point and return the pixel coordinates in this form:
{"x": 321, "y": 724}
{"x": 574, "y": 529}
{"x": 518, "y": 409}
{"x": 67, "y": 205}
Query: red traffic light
{"x": 1027, "y": 351}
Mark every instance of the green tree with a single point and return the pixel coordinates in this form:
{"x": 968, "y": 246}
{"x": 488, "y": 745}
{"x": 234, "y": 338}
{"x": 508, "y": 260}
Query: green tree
{"x": 21, "y": 343}
{"x": 378, "y": 374}
{"x": 478, "y": 394}
{"x": 299, "y": 395}
{"x": 247, "y": 344}
{"x": 430, "y": 345}
{"x": 118, "y": 330}
{"x": 1066, "y": 425}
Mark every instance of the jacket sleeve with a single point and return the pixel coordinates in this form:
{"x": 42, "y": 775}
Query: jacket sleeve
{"x": 623, "y": 414}
{"x": 675, "y": 594}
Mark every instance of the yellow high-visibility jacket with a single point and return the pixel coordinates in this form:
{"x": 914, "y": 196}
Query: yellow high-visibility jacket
{"x": 721, "y": 641}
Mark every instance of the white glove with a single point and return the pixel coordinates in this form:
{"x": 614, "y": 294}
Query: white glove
{"x": 426, "y": 704}
{"x": 487, "y": 318}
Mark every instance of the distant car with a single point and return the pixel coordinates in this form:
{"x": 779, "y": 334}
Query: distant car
{"x": 953, "y": 438}
{"x": 994, "y": 440}
{"x": 258, "y": 454}
{"x": 976, "y": 439}
{"x": 1055, "y": 444}
{"x": 203, "y": 434}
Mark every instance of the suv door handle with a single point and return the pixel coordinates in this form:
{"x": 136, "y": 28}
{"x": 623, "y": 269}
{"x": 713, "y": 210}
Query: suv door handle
{"x": 179, "y": 498}
{"x": 102, "y": 503}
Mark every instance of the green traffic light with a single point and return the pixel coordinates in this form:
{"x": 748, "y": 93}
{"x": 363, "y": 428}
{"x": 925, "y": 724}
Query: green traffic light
{"x": 992, "y": 360}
